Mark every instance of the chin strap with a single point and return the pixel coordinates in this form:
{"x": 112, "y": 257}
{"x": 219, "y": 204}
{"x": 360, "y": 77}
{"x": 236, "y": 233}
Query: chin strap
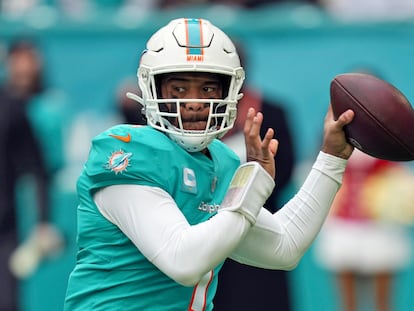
{"x": 135, "y": 97}
{"x": 139, "y": 100}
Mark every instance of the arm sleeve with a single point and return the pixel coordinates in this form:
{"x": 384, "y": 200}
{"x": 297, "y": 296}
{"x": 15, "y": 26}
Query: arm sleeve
{"x": 150, "y": 218}
{"x": 278, "y": 241}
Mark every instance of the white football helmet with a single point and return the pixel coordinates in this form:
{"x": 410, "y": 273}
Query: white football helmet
{"x": 190, "y": 45}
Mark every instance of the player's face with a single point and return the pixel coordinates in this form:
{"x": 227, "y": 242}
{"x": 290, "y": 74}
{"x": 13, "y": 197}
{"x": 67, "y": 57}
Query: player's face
{"x": 194, "y": 115}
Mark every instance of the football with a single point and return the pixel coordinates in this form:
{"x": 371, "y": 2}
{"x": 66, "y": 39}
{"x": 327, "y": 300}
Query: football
{"x": 383, "y": 126}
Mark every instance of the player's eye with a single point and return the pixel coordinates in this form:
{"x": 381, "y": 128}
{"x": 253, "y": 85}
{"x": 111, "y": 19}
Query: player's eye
{"x": 178, "y": 89}
{"x": 212, "y": 91}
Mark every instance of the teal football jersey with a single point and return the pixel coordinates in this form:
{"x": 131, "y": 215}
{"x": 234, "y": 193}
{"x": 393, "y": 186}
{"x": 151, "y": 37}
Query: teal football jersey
{"x": 111, "y": 273}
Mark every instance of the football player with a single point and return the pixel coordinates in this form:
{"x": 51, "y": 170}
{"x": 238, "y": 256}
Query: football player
{"x": 163, "y": 205}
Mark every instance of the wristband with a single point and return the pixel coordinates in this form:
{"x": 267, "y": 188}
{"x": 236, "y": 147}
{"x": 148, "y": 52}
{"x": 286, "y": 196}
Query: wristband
{"x": 248, "y": 191}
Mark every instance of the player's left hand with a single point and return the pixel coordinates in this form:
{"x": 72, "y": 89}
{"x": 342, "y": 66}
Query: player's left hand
{"x": 261, "y": 151}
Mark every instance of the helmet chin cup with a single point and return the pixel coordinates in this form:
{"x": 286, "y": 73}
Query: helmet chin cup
{"x": 192, "y": 143}
{"x": 190, "y": 45}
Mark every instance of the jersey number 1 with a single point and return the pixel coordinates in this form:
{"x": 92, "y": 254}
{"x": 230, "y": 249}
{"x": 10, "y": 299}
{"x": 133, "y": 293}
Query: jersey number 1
{"x": 199, "y": 298}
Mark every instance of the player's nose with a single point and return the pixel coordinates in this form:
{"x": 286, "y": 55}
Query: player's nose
{"x": 194, "y": 106}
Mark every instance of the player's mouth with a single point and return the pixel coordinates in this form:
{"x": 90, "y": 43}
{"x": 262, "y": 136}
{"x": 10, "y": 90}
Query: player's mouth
{"x": 195, "y": 125}
{"x": 195, "y": 121}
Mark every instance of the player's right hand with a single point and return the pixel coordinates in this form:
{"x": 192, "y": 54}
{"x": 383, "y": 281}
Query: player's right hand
{"x": 334, "y": 140}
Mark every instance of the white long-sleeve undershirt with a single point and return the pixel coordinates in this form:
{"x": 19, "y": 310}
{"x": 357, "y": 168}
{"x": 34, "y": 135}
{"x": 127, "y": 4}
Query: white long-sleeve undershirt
{"x": 150, "y": 218}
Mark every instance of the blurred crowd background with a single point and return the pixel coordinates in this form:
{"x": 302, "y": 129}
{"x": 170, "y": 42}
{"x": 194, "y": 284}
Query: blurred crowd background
{"x": 90, "y": 51}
